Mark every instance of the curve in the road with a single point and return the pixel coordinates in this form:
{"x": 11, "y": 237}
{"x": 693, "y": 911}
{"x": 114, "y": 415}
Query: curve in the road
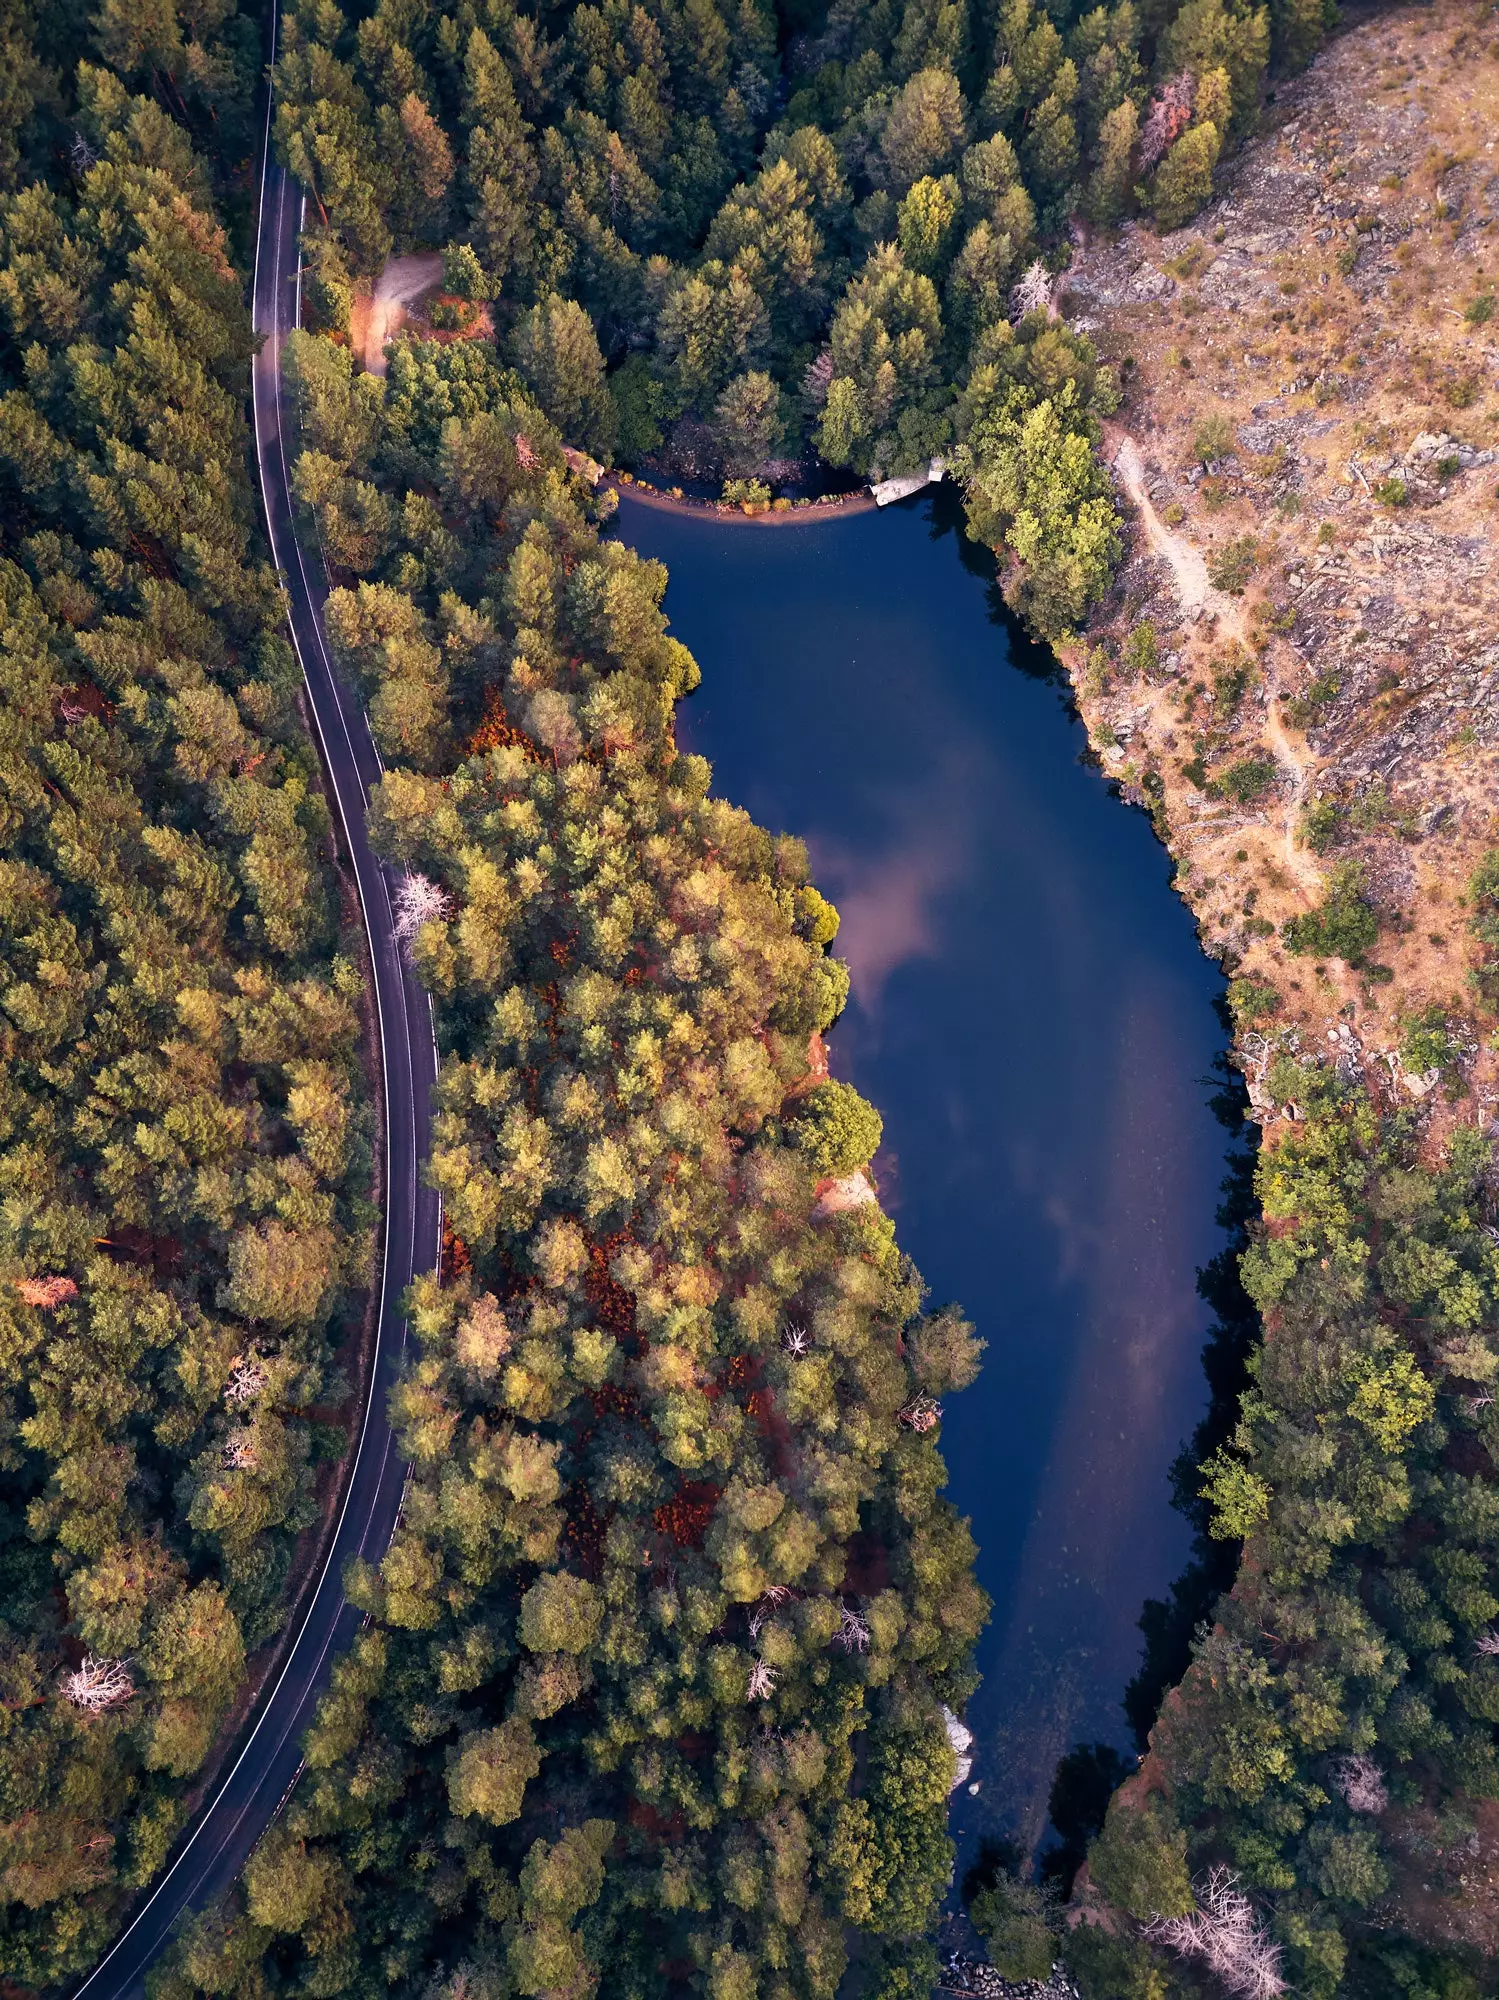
{"x": 214, "y": 1849}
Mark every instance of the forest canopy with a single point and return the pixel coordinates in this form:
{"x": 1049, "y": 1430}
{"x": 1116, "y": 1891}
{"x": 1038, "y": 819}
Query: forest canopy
{"x": 651, "y": 1693}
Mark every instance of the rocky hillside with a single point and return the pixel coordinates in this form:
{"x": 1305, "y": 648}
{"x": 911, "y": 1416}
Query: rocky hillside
{"x": 1298, "y": 667}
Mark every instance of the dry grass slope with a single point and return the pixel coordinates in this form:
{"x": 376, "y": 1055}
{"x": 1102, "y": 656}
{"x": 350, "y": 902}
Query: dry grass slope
{"x": 1306, "y": 454}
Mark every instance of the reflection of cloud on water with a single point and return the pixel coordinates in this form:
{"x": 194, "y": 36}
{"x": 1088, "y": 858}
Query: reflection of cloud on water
{"x": 1079, "y": 1241}
{"x": 887, "y": 916}
{"x": 1097, "y": 1545}
{"x": 889, "y": 890}
{"x": 886, "y": 1168}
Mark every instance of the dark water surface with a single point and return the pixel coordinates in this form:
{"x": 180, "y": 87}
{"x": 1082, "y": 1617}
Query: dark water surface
{"x": 1032, "y": 1016}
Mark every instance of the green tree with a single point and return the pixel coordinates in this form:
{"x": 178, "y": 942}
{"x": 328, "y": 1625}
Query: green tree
{"x": 556, "y": 350}
{"x": 425, "y": 174}
{"x": 560, "y": 1614}
{"x": 1052, "y": 150}
{"x": 923, "y": 130}
{"x": 1011, "y": 1917}
{"x": 927, "y": 218}
{"x": 837, "y": 1129}
{"x": 713, "y": 324}
{"x": 463, "y": 274}
{"x": 1109, "y": 191}
{"x": 766, "y": 233}
{"x": 1345, "y": 925}
{"x": 747, "y": 423}
{"x": 1184, "y": 180}
{"x": 1207, "y": 35}
{"x": 1139, "y": 1861}
{"x": 885, "y": 341}
{"x": 288, "y": 1887}
{"x": 490, "y": 1771}
{"x": 1298, "y": 28}
{"x": 1035, "y": 489}
{"x": 281, "y": 1275}
{"x": 501, "y": 173}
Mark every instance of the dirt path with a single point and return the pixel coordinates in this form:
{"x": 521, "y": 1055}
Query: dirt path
{"x": 1297, "y": 859}
{"x": 402, "y": 280}
{"x": 1194, "y": 589}
{"x": 1187, "y": 565}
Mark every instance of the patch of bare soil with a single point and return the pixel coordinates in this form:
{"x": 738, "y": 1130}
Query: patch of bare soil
{"x": 1305, "y": 458}
{"x": 1447, "y": 1875}
{"x": 404, "y": 286}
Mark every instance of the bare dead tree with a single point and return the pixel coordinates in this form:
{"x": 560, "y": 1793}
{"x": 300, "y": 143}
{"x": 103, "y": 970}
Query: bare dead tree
{"x": 1487, "y": 1643}
{"x": 1032, "y": 292}
{"x": 776, "y": 1594}
{"x": 920, "y": 1414}
{"x": 796, "y": 1340}
{"x": 46, "y": 1292}
{"x": 459, "y": 1984}
{"x": 246, "y": 1381}
{"x": 762, "y": 1682}
{"x": 819, "y": 378}
{"x": 1255, "y": 1052}
{"x": 420, "y": 900}
{"x": 98, "y": 1685}
{"x": 853, "y": 1633}
{"x": 1224, "y": 1933}
{"x": 1361, "y": 1783}
{"x": 241, "y": 1452}
{"x": 1169, "y": 116}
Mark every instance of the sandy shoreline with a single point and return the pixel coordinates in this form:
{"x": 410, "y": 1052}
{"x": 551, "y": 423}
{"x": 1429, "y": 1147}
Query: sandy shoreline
{"x": 797, "y": 515}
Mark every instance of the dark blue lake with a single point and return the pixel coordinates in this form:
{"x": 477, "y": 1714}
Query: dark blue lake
{"x": 1034, "y": 1019}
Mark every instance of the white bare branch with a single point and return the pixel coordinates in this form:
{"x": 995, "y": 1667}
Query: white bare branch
{"x": 796, "y": 1340}
{"x": 776, "y": 1594}
{"x": 1224, "y": 1933}
{"x": 1256, "y": 1052}
{"x": 1487, "y": 1642}
{"x": 920, "y": 1414}
{"x": 98, "y": 1685}
{"x": 420, "y": 900}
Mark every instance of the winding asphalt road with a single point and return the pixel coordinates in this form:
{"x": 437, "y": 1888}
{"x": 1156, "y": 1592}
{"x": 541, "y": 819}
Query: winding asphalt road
{"x": 268, "y": 1757}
